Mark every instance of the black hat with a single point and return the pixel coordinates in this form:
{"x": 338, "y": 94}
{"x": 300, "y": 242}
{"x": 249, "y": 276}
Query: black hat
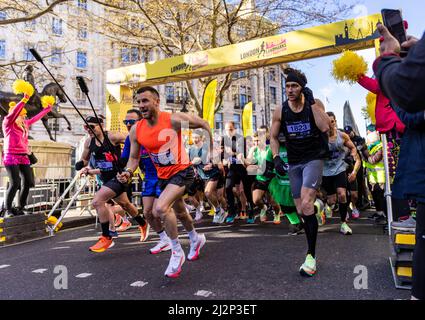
{"x": 348, "y": 129}
{"x": 91, "y": 119}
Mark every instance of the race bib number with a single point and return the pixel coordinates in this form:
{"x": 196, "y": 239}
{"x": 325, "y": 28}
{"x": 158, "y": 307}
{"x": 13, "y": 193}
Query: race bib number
{"x": 163, "y": 159}
{"x": 299, "y": 130}
{"x": 104, "y": 165}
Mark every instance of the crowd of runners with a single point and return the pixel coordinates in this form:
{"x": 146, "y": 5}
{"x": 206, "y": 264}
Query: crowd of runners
{"x": 304, "y": 169}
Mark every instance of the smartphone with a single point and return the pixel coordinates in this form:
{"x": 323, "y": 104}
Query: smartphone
{"x": 394, "y": 22}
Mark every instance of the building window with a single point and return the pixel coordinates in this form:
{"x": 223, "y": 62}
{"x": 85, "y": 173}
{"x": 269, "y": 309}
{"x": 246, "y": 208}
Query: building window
{"x": 273, "y": 97}
{"x": 254, "y": 123}
{"x": 237, "y": 120}
{"x": 53, "y": 124}
{"x": 81, "y": 60}
{"x": 169, "y": 94}
{"x": 125, "y": 55}
{"x": 80, "y": 96}
{"x": 27, "y": 54}
{"x": 242, "y": 74}
{"x": 82, "y": 4}
{"x": 82, "y": 33}
{"x": 56, "y": 57}
{"x": 134, "y": 54}
{"x": 272, "y": 74}
{"x": 57, "y": 26}
{"x": 218, "y": 119}
{"x": 3, "y": 15}
{"x": 2, "y": 49}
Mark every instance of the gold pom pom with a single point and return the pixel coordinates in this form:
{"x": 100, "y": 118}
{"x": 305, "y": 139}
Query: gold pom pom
{"x": 349, "y": 67}
{"x": 21, "y": 86}
{"x": 12, "y": 104}
{"x": 47, "y": 101}
{"x": 371, "y": 106}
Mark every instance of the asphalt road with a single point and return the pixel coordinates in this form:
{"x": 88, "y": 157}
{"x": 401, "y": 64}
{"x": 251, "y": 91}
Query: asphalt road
{"x": 242, "y": 261}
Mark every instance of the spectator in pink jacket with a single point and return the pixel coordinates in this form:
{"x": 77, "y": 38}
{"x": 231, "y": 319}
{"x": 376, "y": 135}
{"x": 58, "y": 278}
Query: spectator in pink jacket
{"x": 16, "y": 152}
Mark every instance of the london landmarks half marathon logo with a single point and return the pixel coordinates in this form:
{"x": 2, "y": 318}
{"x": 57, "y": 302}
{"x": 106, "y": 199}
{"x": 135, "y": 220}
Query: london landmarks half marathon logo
{"x": 192, "y": 63}
{"x": 266, "y": 49}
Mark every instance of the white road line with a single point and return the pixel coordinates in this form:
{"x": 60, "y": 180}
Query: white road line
{"x": 83, "y": 275}
{"x": 3, "y": 266}
{"x": 58, "y": 248}
{"x": 203, "y": 293}
{"x": 138, "y": 284}
{"x": 39, "y": 271}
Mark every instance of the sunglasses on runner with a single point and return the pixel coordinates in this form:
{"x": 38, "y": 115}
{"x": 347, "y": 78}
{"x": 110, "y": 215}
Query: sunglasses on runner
{"x": 92, "y": 126}
{"x": 129, "y": 122}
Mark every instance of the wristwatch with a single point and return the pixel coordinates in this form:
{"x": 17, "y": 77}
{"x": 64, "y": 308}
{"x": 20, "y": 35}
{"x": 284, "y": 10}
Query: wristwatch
{"x": 131, "y": 172}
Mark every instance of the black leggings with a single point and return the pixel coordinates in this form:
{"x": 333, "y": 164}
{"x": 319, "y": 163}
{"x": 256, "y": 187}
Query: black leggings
{"x": 15, "y": 174}
{"x": 418, "y": 287}
{"x": 238, "y": 174}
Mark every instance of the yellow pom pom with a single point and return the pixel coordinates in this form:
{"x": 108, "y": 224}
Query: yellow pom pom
{"x": 349, "y": 67}
{"x": 12, "y": 104}
{"x": 47, "y": 101}
{"x": 21, "y": 86}
{"x": 371, "y": 106}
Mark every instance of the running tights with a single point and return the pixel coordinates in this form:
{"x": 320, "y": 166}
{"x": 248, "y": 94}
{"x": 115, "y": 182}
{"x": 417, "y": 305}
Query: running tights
{"x": 17, "y": 174}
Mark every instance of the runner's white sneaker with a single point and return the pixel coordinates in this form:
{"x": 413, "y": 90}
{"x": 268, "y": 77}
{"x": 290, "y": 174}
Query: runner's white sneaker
{"x": 175, "y": 265}
{"x": 195, "y": 247}
{"x": 198, "y": 215}
{"x": 222, "y": 216}
{"x": 161, "y": 246}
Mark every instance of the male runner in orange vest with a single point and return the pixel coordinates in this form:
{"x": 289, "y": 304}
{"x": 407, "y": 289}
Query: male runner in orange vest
{"x": 160, "y": 134}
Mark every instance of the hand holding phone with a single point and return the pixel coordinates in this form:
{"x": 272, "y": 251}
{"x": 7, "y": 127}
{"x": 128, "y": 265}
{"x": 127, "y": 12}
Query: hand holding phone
{"x": 393, "y": 20}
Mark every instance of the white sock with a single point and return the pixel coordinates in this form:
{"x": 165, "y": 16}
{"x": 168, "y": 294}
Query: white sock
{"x": 163, "y": 236}
{"x": 176, "y": 245}
{"x": 193, "y": 236}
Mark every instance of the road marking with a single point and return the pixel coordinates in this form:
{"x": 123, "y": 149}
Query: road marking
{"x": 4, "y": 266}
{"x": 39, "y": 271}
{"x": 58, "y": 248}
{"x": 203, "y": 293}
{"x": 138, "y": 284}
{"x": 83, "y": 275}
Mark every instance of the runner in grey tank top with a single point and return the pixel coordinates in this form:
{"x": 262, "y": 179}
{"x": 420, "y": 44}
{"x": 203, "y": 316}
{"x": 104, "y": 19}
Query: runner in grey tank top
{"x": 336, "y": 163}
{"x": 334, "y": 172}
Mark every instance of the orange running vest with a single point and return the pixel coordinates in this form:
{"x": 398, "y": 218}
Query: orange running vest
{"x": 164, "y": 146}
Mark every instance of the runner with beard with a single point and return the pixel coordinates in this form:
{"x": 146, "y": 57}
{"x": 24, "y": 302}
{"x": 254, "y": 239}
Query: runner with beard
{"x": 304, "y": 123}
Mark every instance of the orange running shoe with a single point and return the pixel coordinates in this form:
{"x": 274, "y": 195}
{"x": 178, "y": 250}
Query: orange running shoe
{"x": 243, "y": 215}
{"x": 144, "y": 232}
{"x": 103, "y": 244}
{"x": 118, "y": 220}
{"x": 125, "y": 225}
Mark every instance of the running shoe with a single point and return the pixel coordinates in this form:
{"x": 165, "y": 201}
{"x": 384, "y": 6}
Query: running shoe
{"x": 374, "y": 215}
{"x": 222, "y": 216}
{"x": 295, "y": 229}
{"x": 195, "y": 247}
{"x": 276, "y": 219}
{"x": 198, "y": 216}
{"x": 328, "y": 211}
{"x": 308, "y": 268}
{"x": 406, "y": 225}
{"x": 355, "y": 213}
{"x": 103, "y": 244}
{"x": 144, "y": 232}
{"x": 243, "y": 215}
{"x": 161, "y": 246}
{"x": 118, "y": 220}
{"x": 230, "y": 219}
{"x": 263, "y": 214}
{"x": 9, "y": 214}
{"x": 345, "y": 229}
{"x": 321, "y": 218}
{"x": 211, "y": 212}
{"x": 175, "y": 265}
{"x": 125, "y": 225}
{"x": 251, "y": 220}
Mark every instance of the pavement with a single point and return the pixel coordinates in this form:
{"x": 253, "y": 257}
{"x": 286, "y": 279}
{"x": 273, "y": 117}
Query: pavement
{"x": 239, "y": 261}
